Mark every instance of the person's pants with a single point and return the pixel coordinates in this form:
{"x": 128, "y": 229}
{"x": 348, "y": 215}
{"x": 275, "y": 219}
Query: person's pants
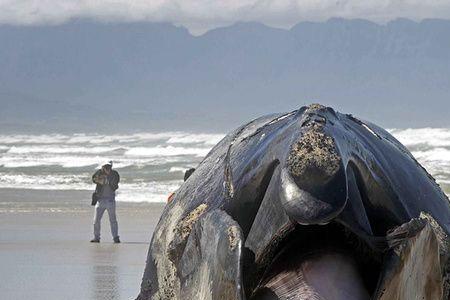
{"x": 100, "y": 207}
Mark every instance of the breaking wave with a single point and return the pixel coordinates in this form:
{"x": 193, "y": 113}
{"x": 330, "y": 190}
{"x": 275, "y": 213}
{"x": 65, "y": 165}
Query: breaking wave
{"x": 431, "y": 147}
{"x": 151, "y": 165}
{"x": 166, "y": 151}
{"x": 143, "y": 137}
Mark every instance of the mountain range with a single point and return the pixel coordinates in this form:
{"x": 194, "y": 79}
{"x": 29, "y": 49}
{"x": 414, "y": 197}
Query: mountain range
{"x": 115, "y": 77}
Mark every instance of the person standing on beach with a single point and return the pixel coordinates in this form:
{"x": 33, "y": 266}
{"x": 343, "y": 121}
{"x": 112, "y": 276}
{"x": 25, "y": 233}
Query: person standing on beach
{"x": 107, "y": 181}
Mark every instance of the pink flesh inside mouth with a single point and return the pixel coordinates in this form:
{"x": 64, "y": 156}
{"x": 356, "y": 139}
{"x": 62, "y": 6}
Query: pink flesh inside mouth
{"x": 324, "y": 275}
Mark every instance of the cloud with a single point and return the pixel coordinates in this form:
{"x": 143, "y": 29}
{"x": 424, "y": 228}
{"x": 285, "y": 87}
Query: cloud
{"x": 201, "y": 15}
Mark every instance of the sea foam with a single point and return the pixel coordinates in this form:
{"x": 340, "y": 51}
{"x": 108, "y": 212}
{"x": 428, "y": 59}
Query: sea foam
{"x": 152, "y": 164}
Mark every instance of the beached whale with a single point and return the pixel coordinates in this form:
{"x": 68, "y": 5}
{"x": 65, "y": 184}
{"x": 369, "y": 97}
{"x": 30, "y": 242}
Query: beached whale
{"x": 311, "y": 204}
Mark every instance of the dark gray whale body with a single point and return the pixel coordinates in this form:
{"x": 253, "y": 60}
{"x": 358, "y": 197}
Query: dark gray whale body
{"x": 287, "y": 187}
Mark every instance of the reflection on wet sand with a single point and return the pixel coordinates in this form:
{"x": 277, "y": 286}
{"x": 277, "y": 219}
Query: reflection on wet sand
{"x": 104, "y": 272}
{"x": 106, "y": 284}
{"x": 47, "y": 254}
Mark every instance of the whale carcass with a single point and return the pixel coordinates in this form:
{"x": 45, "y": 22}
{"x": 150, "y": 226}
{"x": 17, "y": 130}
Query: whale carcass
{"x": 311, "y": 204}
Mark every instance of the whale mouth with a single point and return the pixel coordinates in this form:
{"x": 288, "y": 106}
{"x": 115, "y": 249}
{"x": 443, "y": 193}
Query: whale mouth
{"x": 319, "y": 262}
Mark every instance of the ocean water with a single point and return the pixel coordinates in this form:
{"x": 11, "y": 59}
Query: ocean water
{"x": 152, "y": 165}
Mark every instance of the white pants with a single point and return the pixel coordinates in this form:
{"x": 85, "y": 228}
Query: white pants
{"x": 100, "y": 207}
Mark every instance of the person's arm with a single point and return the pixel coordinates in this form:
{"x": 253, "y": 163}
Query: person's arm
{"x": 95, "y": 177}
{"x": 114, "y": 179}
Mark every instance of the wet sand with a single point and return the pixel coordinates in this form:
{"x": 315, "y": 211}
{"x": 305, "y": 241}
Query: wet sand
{"x": 45, "y": 251}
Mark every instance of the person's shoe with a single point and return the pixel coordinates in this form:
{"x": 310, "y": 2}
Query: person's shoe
{"x": 94, "y": 240}
{"x": 116, "y": 240}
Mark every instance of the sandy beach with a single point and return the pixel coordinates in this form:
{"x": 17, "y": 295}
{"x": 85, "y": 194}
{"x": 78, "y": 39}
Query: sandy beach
{"x": 45, "y": 251}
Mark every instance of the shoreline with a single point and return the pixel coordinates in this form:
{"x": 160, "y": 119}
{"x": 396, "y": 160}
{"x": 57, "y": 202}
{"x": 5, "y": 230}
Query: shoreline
{"x": 14, "y": 200}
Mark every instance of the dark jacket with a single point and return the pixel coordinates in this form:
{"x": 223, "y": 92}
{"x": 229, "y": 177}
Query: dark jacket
{"x": 113, "y": 181}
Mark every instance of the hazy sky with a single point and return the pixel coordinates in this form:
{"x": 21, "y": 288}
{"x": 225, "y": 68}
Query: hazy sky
{"x": 200, "y": 15}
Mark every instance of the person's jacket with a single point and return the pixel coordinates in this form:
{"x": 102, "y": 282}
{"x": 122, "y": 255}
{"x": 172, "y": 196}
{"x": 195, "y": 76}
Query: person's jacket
{"x": 113, "y": 180}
